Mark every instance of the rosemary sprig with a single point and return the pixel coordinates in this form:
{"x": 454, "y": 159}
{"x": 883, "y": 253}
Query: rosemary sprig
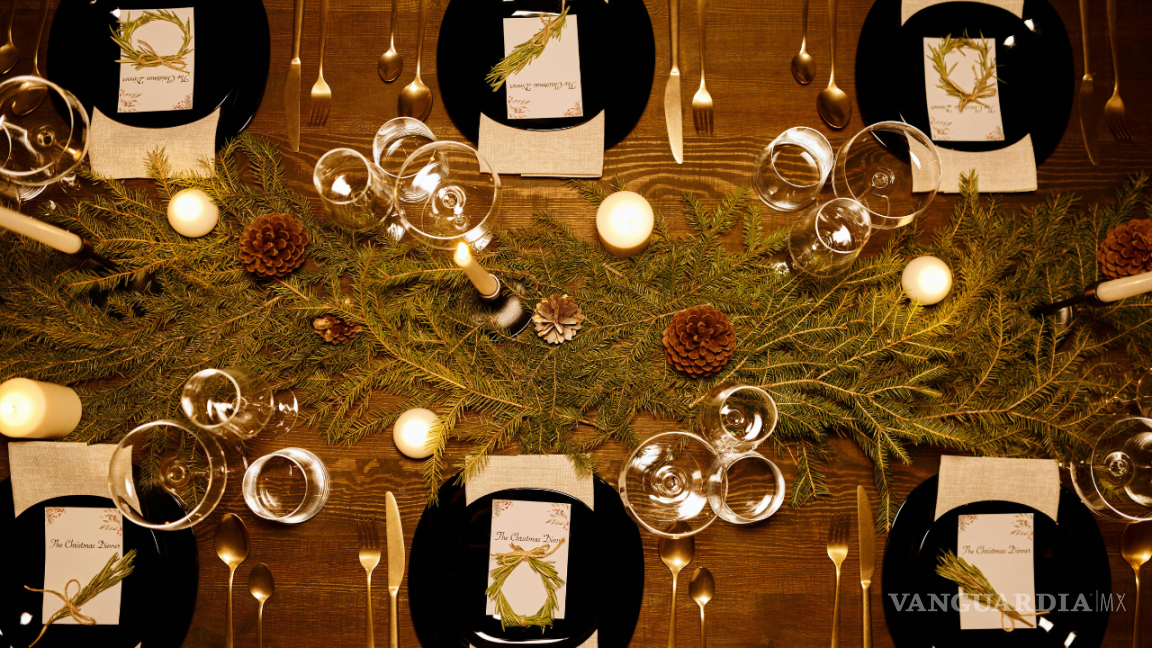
{"x": 551, "y": 579}
{"x": 122, "y": 36}
{"x": 974, "y": 585}
{"x": 984, "y": 70}
{"x": 524, "y": 53}
{"x": 114, "y": 571}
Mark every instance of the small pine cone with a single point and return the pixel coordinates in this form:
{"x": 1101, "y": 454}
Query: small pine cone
{"x": 336, "y": 330}
{"x": 273, "y": 245}
{"x": 557, "y": 318}
{"x": 699, "y": 341}
{"x": 1127, "y": 249}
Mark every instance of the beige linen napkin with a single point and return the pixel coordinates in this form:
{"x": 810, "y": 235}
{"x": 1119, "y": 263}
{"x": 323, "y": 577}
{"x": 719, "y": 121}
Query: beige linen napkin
{"x": 1010, "y": 169}
{"x": 119, "y": 151}
{"x": 42, "y": 470}
{"x": 553, "y": 472}
{"x": 1031, "y": 482}
{"x": 576, "y": 152}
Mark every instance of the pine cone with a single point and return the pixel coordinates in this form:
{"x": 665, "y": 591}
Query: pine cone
{"x": 336, "y": 330}
{"x": 273, "y": 245}
{"x": 1127, "y": 249}
{"x": 699, "y": 341}
{"x": 557, "y": 318}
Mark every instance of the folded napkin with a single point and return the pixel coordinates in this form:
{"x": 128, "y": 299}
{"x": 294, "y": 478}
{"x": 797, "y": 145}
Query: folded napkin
{"x": 1010, "y": 169}
{"x": 1031, "y": 482}
{"x": 553, "y": 472}
{"x": 119, "y": 151}
{"x": 576, "y": 152}
{"x": 42, "y": 470}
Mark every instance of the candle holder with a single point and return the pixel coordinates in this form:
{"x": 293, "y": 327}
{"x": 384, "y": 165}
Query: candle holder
{"x": 503, "y": 310}
{"x": 1062, "y": 311}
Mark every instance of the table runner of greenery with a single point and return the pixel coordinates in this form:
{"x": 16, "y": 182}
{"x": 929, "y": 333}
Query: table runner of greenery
{"x": 848, "y": 355}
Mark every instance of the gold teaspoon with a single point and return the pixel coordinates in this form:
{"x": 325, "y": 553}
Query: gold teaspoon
{"x": 702, "y": 588}
{"x": 262, "y": 586}
{"x": 232, "y": 547}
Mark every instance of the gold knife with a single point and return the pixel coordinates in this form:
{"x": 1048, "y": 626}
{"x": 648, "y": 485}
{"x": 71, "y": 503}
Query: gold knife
{"x": 292, "y": 82}
{"x": 867, "y": 530}
{"x": 1088, "y": 117}
{"x": 395, "y": 564}
{"x": 673, "y": 112}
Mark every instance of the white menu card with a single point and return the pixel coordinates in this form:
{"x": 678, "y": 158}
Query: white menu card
{"x": 78, "y": 541}
{"x": 529, "y": 525}
{"x": 1000, "y": 545}
{"x": 157, "y": 36}
{"x": 550, "y": 86}
{"x": 980, "y": 120}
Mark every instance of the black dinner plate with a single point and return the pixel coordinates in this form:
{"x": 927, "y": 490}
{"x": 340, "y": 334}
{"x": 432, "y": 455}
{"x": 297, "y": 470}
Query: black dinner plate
{"x": 449, "y": 571}
{"x": 232, "y": 50}
{"x": 617, "y": 64}
{"x": 1038, "y": 78}
{"x": 1070, "y": 560}
{"x": 156, "y": 601}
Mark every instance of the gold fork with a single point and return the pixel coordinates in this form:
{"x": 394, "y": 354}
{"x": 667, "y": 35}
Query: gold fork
{"x": 1114, "y": 109}
{"x": 702, "y": 101}
{"x": 837, "y": 551}
{"x": 369, "y": 558}
{"x": 321, "y": 93}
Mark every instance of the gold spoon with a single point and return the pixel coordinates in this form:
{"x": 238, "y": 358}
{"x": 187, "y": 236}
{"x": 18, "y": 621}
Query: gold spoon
{"x": 833, "y": 103}
{"x": 262, "y": 586}
{"x": 31, "y": 94}
{"x": 391, "y": 63}
{"x": 1136, "y": 547}
{"x": 676, "y": 553}
{"x": 803, "y": 67}
{"x": 702, "y": 588}
{"x": 232, "y": 547}
{"x": 416, "y": 98}
{"x": 9, "y": 53}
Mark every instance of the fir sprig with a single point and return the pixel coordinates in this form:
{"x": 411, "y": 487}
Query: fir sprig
{"x": 974, "y": 585}
{"x": 523, "y": 54}
{"x": 115, "y": 570}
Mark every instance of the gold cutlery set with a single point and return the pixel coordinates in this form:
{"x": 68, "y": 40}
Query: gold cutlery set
{"x": 1114, "y": 109}
{"x": 838, "y": 551}
{"x": 232, "y": 548}
{"x": 676, "y": 553}
{"x": 701, "y": 101}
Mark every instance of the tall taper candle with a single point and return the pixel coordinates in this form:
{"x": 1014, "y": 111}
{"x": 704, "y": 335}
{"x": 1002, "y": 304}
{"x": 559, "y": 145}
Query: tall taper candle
{"x": 37, "y": 410}
{"x": 484, "y": 282}
{"x": 1117, "y": 289}
{"x": 50, "y": 235}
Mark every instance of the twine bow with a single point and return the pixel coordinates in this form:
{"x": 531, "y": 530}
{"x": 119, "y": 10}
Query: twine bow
{"x": 70, "y": 608}
{"x": 149, "y": 58}
{"x": 1008, "y": 618}
{"x": 519, "y": 555}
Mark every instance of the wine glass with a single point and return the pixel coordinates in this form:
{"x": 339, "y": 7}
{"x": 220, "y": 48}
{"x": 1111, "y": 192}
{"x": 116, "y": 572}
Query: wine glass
{"x": 44, "y": 144}
{"x": 664, "y": 484}
{"x": 237, "y": 402}
{"x": 829, "y": 237}
{"x": 892, "y": 169}
{"x": 188, "y": 464}
{"x": 791, "y": 171}
{"x": 1115, "y": 478}
{"x": 356, "y": 193}
{"x": 395, "y": 142}
{"x": 447, "y": 194}
{"x": 737, "y": 418}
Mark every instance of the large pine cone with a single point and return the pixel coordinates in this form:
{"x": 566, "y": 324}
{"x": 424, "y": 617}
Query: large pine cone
{"x": 1127, "y": 249}
{"x": 699, "y": 341}
{"x": 334, "y": 329}
{"x": 273, "y": 245}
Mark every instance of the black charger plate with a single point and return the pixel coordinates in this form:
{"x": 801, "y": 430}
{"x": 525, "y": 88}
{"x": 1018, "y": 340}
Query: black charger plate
{"x": 1070, "y": 559}
{"x": 448, "y": 573}
{"x": 232, "y": 50}
{"x": 1039, "y": 80}
{"x": 156, "y": 600}
{"x": 617, "y": 64}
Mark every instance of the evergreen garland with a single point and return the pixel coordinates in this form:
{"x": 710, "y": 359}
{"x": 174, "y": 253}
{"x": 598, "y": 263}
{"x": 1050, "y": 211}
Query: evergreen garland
{"x": 847, "y": 355}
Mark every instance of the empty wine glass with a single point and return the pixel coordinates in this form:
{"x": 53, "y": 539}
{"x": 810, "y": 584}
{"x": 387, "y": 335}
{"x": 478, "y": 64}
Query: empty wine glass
{"x": 356, "y": 193}
{"x": 460, "y": 196}
{"x": 890, "y": 168}
{"x": 289, "y": 486}
{"x": 236, "y": 401}
{"x": 737, "y": 418}
{"x": 745, "y": 487}
{"x": 664, "y": 484}
{"x": 829, "y": 237}
{"x": 188, "y": 464}
{"x": 46, "y": 143}
{"x": 395, "y": 142}
{"x": 791, "y": 171}
{"x": 1115, "y": 478}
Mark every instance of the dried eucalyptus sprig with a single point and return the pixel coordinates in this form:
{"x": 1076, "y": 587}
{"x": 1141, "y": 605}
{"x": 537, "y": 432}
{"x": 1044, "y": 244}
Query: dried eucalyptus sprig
{"x": 148, "y": 57}
{"x": 507, "y": 563}
{"x": 524, "y": 53}
{"x": 984, "y": 70}
{"x": 114, "y": 571}
{"x": 975, "y": 586}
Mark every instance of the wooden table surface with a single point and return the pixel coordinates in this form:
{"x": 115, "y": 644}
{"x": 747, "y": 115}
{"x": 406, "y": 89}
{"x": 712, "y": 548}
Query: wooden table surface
{"x": 774, "y": 579}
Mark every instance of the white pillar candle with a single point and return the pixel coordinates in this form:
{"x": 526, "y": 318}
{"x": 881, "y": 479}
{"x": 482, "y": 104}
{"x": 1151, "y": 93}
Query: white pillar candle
{"x": 192, "y": 213}
{"x": 484, "y": 282}
{"x": 624, "y": 222}
{"x": 37, "y": 410}
{"x": 927, "y": 280}
{"x": 50, "y": 235}
{"x": 412, "y": 432}
{"x": 1117, "y": 289}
